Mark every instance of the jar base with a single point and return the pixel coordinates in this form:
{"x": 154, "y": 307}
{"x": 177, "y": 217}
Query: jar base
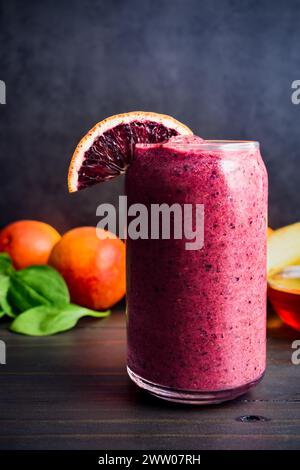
{"x": 189, "y": 396}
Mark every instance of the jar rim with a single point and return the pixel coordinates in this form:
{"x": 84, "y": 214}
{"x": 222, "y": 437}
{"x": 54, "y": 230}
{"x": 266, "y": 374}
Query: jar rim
{"x": 214, "y": 145}
{"x": 229, "y": 145}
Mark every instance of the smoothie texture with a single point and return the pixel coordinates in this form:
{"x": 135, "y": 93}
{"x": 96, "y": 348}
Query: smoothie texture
{"x": 197, "y": 318}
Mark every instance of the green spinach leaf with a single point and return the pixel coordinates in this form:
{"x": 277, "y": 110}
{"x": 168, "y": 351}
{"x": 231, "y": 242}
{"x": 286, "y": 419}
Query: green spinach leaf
{"x": 6, "y": 266}
{"x": 37, "y": 285}
{"x": 48, "y": 320}
{"x": 5, "y": 307}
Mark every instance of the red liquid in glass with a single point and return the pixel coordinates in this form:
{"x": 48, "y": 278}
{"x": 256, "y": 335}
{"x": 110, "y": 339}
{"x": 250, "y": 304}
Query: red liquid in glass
{"x": 286, "y": 305}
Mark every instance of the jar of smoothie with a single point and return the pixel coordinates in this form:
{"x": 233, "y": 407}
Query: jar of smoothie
{"x": 196, "y": 318}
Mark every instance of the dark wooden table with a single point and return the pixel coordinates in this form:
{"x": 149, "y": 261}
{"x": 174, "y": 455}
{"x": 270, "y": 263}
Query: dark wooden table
{"x": 71, "y": 391}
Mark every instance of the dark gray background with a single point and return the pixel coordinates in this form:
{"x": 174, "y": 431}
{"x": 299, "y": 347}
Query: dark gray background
{"x": 223, "y": 67}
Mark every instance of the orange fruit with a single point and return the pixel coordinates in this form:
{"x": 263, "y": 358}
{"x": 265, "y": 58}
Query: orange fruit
{"x": 93, "y": 268}
{"x": 28, "y": 242}
{"x": 106, "y": 150}
{"x": 269, "y": 231}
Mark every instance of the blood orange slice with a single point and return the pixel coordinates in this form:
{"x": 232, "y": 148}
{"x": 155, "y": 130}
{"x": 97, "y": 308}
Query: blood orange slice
{"x": 106, "y": 150}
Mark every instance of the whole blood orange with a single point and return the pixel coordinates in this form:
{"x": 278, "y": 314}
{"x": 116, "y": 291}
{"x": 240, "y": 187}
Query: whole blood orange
{"x": 28, "y": 242}
{"x": 92, "y": 266}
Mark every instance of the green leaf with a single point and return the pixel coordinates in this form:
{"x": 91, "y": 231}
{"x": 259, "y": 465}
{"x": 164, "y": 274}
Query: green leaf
{"x": 6, "y": 266}
{"x": 5, "y": 307}
{"x": 37, "y": 285}
{"x": 48, "y": 320}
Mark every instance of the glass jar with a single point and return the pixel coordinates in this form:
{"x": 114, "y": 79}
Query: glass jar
{"x": 196, "y": 316}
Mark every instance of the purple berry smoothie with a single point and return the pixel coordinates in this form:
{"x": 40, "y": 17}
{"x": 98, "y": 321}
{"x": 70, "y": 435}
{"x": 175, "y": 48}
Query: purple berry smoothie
{"x": 197, "y": 318}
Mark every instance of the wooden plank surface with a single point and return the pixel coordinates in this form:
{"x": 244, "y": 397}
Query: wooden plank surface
{"x": 71, "y": 391}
